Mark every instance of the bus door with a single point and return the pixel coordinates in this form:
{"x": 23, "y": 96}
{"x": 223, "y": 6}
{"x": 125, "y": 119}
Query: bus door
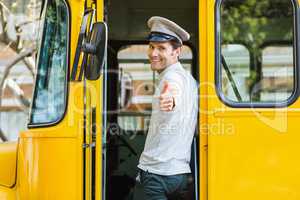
{"x": 129, "y": 111}
{"x": 252, "y": 100}
{"x": 50, "y": 153}
{"x": 89, "y": 67}
{"x": 131, "y": 84}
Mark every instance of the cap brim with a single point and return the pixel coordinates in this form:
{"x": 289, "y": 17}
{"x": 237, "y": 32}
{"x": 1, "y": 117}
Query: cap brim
{"x": 156, "y": 38}
{"x": 161, "y": 37}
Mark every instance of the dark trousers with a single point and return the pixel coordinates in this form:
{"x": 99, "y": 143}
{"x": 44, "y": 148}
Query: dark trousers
{"x": 157, "y": 187}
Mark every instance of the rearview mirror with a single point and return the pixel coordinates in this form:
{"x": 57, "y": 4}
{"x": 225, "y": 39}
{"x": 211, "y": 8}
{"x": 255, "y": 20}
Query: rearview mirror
{"x": 95, "y": 51}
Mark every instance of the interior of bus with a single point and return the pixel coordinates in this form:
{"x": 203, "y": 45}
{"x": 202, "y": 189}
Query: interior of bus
{"x": 132, "y": 82}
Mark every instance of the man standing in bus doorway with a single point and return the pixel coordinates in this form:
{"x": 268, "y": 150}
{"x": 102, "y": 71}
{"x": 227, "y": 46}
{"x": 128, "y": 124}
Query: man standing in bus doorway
{"x": 164, "y": 162}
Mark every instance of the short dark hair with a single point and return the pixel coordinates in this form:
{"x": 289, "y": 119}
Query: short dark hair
{"x": 175, "y": 44}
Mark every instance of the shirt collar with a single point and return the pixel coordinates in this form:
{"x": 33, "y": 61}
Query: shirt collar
{"x": 169, "y": 68}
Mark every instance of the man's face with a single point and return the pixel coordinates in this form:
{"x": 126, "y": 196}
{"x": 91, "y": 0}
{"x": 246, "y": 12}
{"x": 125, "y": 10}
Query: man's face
{"x": 162, "y": 55}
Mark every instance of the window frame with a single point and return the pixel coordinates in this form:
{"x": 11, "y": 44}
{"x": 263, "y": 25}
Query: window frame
{"x": 296, "y": 56}
{"x": 67, "y": 79}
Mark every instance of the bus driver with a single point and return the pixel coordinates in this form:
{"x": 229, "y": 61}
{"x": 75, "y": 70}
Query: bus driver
{"x": 164, "y": 162}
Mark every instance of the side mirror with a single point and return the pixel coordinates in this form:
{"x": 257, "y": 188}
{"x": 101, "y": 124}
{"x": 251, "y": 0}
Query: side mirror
{"x": 95, "y": 51}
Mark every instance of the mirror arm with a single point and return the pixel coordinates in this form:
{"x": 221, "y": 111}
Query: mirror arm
{"x": 89, "y": 48}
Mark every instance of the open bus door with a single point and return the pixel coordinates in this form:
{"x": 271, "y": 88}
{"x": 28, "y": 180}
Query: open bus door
{"x": 91, "y": 52}
{"x": 131, "y": 84}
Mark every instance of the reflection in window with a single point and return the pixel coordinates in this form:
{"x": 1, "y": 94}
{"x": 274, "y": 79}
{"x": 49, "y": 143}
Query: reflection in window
{"x": 50, "y": 90}
{"x": 277, "y": 70}
{"x": 237, "y": 57}
{"x": 253, "y": 67}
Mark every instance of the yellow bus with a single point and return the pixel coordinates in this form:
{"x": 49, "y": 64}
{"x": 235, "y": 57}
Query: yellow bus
{"x": 93, "y": 90}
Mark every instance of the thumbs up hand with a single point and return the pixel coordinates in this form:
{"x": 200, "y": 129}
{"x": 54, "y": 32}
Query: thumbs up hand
{"x": 166, "y": 99}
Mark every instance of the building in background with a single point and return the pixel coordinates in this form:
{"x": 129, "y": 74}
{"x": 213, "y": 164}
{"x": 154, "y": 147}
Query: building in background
{"x": 19, "y": 31}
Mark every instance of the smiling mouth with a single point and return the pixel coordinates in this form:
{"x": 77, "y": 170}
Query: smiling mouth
{"x": 154, "y": 61}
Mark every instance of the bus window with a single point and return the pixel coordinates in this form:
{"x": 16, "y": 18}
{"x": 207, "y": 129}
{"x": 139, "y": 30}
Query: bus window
{"x": 50, "y": 90}
{"x": 249, "y": 70}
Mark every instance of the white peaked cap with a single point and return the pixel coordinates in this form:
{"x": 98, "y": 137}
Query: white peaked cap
{"x": 162, "y": 25}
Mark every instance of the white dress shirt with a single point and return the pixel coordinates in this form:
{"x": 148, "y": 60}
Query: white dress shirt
{"x": 167, "y": 149}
